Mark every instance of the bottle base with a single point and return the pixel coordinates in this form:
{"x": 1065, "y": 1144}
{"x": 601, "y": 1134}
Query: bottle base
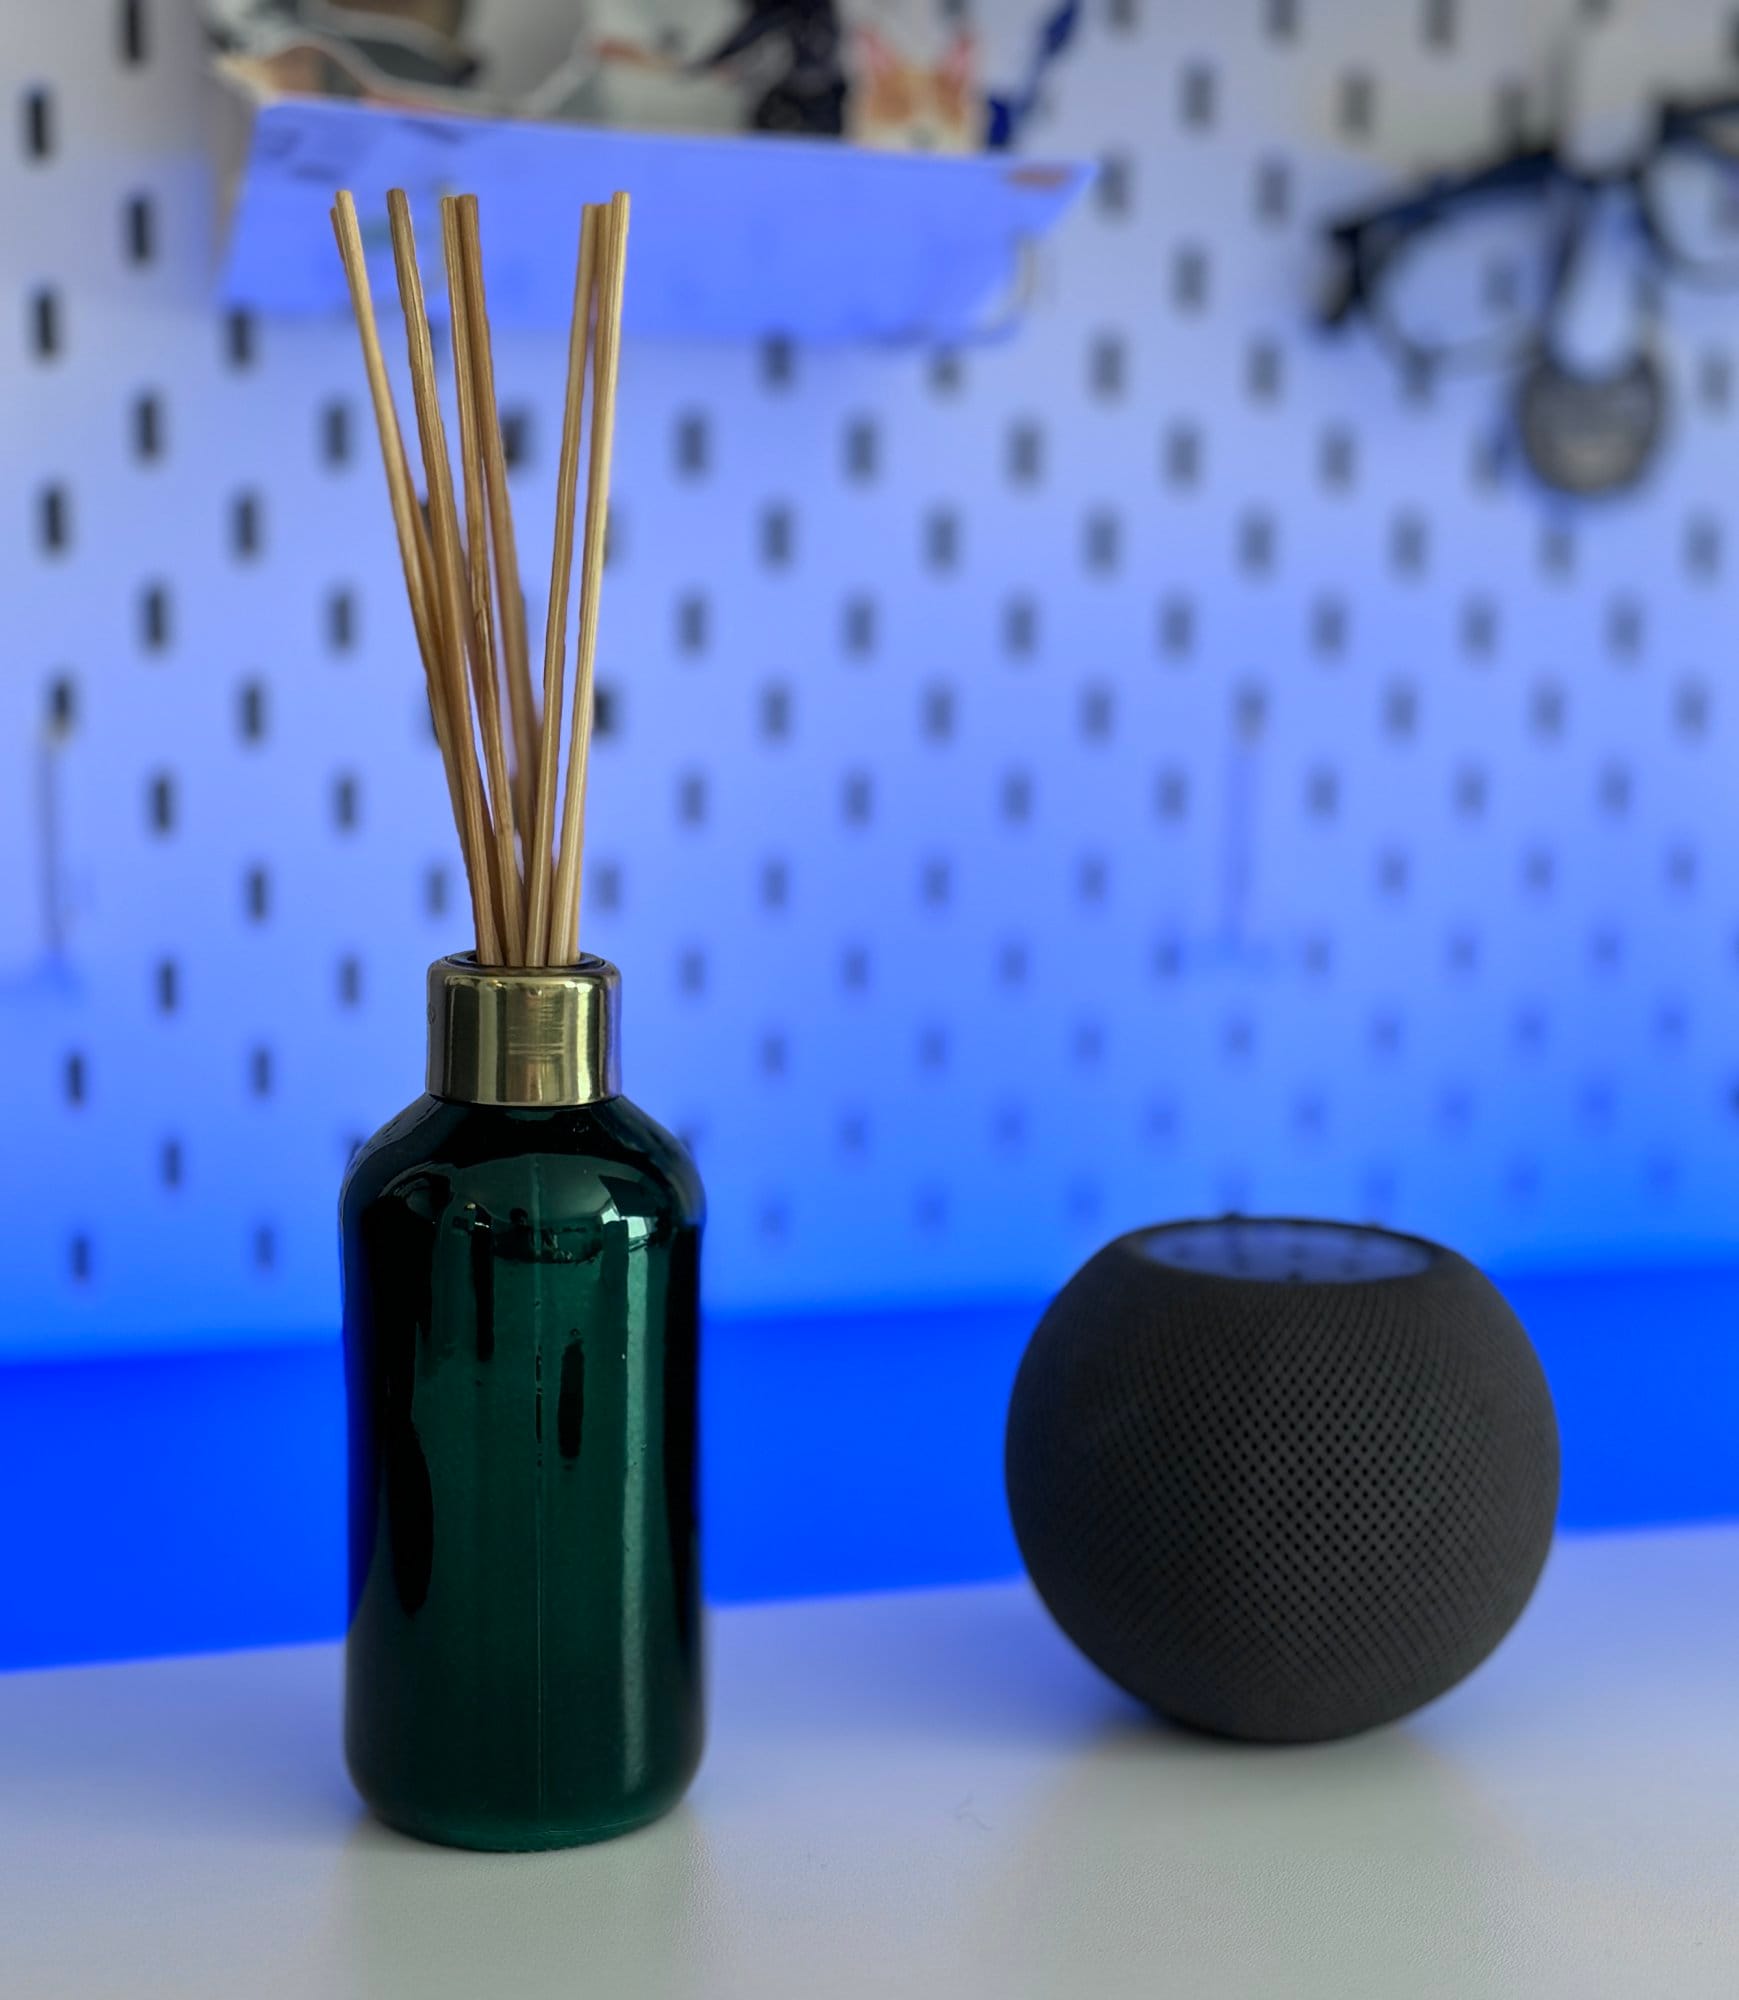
{"x": 517, "y": 1836}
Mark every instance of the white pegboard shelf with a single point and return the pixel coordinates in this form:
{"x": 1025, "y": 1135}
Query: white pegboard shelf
{"x": 735, "y": 238}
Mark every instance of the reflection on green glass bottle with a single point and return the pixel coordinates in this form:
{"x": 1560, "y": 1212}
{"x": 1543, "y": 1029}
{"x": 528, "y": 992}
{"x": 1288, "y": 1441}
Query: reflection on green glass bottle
{"x": 521, "y": 1307}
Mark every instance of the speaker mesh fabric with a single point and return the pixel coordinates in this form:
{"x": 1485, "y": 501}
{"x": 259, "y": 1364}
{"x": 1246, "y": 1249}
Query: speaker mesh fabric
{"x": 1281, "y": 1511}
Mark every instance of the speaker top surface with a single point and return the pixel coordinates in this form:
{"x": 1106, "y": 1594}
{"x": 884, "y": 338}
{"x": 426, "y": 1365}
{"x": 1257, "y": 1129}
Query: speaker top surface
{"x": 1268, "y": 1251}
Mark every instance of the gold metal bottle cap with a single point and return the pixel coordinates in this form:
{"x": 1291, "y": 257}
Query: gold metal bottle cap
{"x": 524, "y": 1035}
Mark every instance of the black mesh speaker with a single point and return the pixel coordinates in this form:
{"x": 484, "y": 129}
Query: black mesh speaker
{"x": 1282, "y": 1480}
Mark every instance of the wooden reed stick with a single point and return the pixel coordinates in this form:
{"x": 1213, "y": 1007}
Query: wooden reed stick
{"x": 450, "y": 577}
{"x": 537, "y": 933}
{"x": 486, "y": 685}
{"x": 565, "y": 914}
{"x": 516, "y": 654}
{"x": 407, "y": 513}
{"x": 420, "y": 535}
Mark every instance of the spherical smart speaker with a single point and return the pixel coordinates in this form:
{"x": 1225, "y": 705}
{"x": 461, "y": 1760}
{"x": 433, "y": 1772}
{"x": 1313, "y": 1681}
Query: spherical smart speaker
{"x": 1282, "y": 1480}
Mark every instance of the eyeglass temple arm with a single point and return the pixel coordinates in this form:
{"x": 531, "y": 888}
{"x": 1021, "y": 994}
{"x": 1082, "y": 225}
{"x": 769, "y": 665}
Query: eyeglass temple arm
{"x": 1362, "y": 241}
{"x": 1682, "y": 117}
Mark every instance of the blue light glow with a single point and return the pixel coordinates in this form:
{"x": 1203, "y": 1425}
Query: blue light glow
{"x": 193, "y": 1502}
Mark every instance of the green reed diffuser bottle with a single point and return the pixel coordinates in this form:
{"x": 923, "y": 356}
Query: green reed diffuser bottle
{"x": 521, "y": 1247}
{"x": 521, "y": 1251}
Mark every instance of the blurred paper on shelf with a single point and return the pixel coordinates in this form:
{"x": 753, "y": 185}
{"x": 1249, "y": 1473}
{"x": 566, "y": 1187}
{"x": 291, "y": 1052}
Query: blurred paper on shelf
{"x": 397, "y": 51}
{"x": 914, "y": 78}
{"x": 899, "y": 75}
{"x": 663, "y": 65}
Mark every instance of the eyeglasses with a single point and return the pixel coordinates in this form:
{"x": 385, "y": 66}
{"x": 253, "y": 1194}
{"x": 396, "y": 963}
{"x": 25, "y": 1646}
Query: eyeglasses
{"x": 1470, "y": 270}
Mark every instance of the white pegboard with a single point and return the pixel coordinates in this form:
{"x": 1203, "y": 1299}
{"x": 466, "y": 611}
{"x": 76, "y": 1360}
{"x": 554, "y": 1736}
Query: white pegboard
{"x": 1157, "y": 766}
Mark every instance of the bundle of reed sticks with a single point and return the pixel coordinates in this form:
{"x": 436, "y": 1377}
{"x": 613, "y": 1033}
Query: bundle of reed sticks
{"x": 523, "y": 854}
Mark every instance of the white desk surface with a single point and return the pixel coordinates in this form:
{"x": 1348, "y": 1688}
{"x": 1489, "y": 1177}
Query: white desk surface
{"x": 922, "y": 1795}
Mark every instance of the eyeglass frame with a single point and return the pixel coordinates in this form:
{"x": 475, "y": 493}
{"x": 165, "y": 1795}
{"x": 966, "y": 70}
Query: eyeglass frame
{"x": 1370, "y": 241}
